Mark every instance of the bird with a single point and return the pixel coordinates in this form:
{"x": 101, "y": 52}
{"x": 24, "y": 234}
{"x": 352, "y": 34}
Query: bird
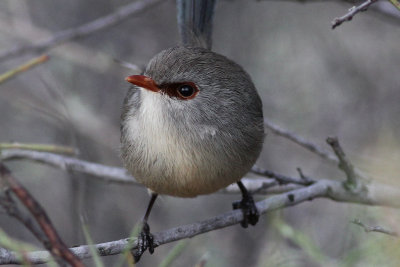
{"x": 191, "y": 125}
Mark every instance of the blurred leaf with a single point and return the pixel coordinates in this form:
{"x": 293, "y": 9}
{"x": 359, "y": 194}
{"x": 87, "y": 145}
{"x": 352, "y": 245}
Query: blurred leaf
{"x": 24, "y": 67}
{"x": 302, "y": 240}
{"x": 395, "y": 3}
{"x": 126, "y": 254}
{"x": 174, "y": 253}
{"x": 93, "y": 250}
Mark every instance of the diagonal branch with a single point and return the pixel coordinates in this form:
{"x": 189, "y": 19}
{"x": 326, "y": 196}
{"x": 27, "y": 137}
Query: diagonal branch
{"x": 55, "y": 245}
{"x": 344, "y": 164}
{"x": 352, "y": 12}
{"x": 82, "y": 31}
{"x": 378, "y": 228}
{"x": 310, "y": 146}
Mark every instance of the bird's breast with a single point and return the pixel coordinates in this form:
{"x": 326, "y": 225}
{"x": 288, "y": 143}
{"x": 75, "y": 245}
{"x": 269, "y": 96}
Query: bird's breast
{"x": 168, "y": 158}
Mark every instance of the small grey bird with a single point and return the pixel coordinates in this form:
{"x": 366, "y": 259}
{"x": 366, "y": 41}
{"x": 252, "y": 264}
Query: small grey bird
{"x": 191, "y": 125}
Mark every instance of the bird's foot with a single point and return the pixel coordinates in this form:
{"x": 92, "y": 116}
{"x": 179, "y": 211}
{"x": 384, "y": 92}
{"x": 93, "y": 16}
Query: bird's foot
{"x": 250, "y": 212}
{"x": 145, "y": 241}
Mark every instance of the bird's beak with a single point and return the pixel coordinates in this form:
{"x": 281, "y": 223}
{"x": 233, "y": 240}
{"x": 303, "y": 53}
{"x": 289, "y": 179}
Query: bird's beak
{"x": 143, "y": 81}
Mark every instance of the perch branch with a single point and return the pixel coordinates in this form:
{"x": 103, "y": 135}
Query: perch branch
{"x": 55, "y": 245}
{"x": 352, "y": 12}
{"x": 82, "y": 31}
{"x": 374, "y": 195}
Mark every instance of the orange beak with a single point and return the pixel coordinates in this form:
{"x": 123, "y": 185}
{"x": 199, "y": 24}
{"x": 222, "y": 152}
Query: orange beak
{"x": 143, "y": 81}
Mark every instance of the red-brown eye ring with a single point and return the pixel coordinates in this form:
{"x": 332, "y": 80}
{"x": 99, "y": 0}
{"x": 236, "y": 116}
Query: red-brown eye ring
{"x": 187, "y": 91}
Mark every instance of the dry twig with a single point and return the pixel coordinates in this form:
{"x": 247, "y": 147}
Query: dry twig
{"x": 378, "y": 229}
{"x": 55, "y": 245}
{"x": 352, "y": 182}
{"x": 24, "y": 67}
{"x": 352, "y": 12}
{"x": 58, "y": 149}
{"x": 81, "y": 31}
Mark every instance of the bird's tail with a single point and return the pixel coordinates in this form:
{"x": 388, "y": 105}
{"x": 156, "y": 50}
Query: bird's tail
{"x": 195, "y": 22}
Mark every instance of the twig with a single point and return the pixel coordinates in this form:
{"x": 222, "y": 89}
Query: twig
{"x": 12, "y": 209}
{"x": 395, "y": 3}
{"x": 55, "y": 245}
{"x": 378, "y": 229}
{"x": 310, "y": 146}
{"x": 58, "y": 149}
{"x": 84, "y": 30}
{"x": 281, "y": 179}
{"x": 24, "y": 67}
{"x": 109, "y": 174}
{"x": 352, "y": 12}
{"x": 344, "y": 164}
{"x": 375, "y": 195}
{"x": 300, "y": 141}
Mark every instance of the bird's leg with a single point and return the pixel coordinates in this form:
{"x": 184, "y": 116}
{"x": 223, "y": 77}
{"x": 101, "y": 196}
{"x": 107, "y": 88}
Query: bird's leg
{"x": 247, "y": 205}
{"x": 145, "y": 238}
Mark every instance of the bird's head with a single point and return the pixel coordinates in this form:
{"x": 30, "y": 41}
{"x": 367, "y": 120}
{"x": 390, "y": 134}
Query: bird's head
{"x": 197, "y": 85}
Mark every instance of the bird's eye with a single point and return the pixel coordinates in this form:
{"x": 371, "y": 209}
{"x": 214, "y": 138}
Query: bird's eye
{"x": 187, "y": 91}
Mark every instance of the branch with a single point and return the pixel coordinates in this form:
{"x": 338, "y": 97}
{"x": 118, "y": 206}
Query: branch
{"x": 55, "y": 245}
{"x": 374, "y": 195}
{"x": 24, "y": 67}
{"x": 352, "y": 12}
{"x": 106, "y": 173}
{"x": 84, "y": 30}
{"x": 344, "y": 164}
{"x": 120, "y": 175}
{"x": 378, "y": 229}
{"x": 58, "y": 149}
{"x": 281, "y": 179}
{"x": 310, "y": 146}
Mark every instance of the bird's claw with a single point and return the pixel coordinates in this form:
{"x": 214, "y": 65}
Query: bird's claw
{"x": 145, "y": 241}
{"x": 250, "y": 212}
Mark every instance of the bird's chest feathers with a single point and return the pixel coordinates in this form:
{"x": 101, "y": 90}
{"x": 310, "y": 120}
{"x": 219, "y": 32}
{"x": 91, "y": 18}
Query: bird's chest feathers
{"x": 155, "y": 136}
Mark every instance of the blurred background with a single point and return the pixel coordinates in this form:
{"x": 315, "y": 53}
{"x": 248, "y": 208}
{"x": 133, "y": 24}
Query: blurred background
{"x": 313, "y": 81}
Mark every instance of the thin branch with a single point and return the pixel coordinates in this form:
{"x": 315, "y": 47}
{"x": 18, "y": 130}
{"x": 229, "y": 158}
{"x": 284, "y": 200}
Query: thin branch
{"x": 106, "y": 173}
{"x": 374, "y": 195}
{"x": 55, "y": 245}
{"x": 9, "y": 205}
{"x": 378, "y": 229}
{"x": 310, "y": 146}
{"x": 58, "y": 149}
{"x": 281, "y": 178}
{"x": 352, "y": 12}
{"x": 22, "y": 68}
{"x": 84, "y": 30}
{"x": 344, "y": 164}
